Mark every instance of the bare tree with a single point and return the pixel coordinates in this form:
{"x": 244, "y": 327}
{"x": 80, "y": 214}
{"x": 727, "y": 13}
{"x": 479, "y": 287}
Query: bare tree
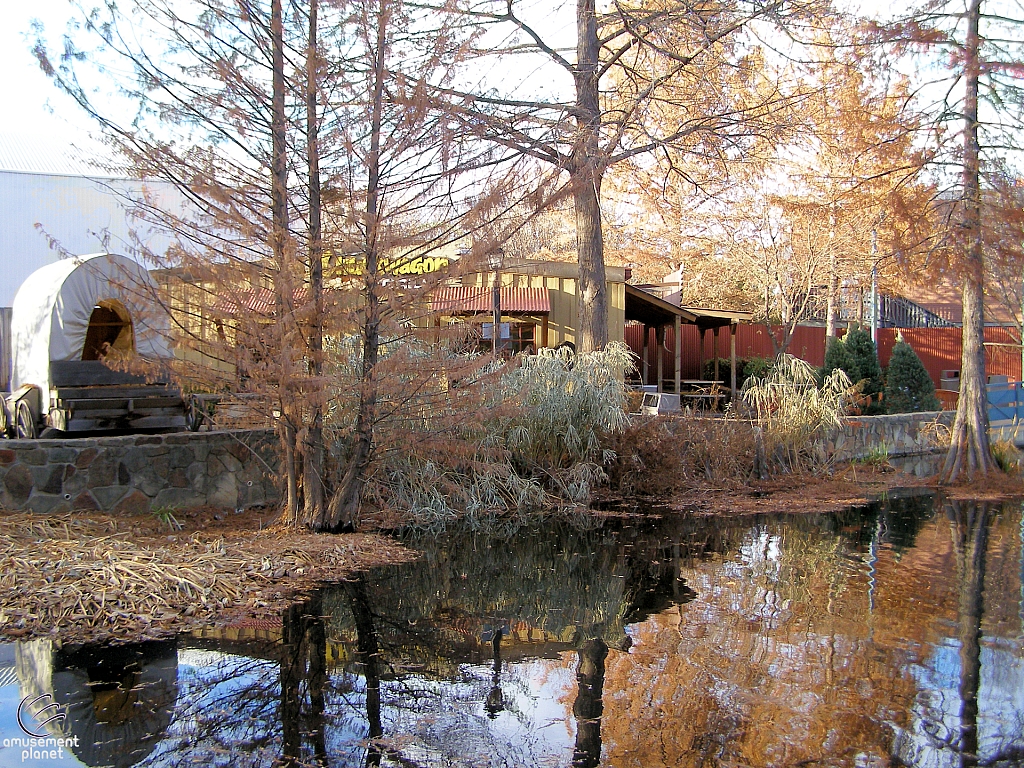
{"x": 630, "y": 62}
{"x": 978, "y": 83}
{"x": 281, "y": 128}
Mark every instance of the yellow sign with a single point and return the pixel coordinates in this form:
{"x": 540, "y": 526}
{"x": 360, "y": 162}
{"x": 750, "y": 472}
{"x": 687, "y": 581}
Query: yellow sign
{"x": 418, "y": 265}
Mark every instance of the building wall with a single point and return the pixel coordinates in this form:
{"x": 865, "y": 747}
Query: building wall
{"x": 560, "y": 280}
{"x": 938, "y": 348}
{"x": 79, "y": 214}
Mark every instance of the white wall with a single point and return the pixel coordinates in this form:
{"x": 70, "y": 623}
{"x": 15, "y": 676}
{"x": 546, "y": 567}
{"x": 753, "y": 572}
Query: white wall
{"x": 78, "y": 212}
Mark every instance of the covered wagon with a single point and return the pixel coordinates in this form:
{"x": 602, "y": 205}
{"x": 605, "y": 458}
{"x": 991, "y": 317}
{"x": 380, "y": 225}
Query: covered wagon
{"x": 67, "y": 317}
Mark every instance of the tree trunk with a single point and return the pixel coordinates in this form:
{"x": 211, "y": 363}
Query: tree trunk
{"x": 832, "y": 299}
{"x": 313, "y": 450}
{"x": 367, "y": 655}
{"x": 343, "y": 510}
{"x": 969, "y": 445}
{"x": 969, "y": 523}
{"x": 586, "y": 172}
{"x": 283, "y": 292}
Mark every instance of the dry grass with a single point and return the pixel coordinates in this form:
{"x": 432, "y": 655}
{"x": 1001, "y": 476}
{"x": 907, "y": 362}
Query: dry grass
{"x": 100, "y": 577}
{"x": 658, "y": 456}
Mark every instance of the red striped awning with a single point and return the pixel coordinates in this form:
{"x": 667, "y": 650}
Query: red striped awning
{"x": 474, "y": 300}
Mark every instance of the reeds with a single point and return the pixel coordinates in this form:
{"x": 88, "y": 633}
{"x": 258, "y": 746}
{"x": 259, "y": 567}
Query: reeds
{"x": 795, "y": 414}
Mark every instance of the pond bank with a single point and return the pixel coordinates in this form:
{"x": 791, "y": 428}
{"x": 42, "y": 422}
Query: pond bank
{"x": 92, "y": 576}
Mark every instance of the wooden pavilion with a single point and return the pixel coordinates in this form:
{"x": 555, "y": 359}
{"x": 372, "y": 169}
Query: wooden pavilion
{"x": 653, "y": 311}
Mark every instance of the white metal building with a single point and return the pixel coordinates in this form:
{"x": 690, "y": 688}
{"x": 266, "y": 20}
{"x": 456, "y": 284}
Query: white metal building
{"x": 57, "y": 199}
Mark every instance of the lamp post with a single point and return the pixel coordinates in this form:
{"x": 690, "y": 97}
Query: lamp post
{"x": 494, "y": 263}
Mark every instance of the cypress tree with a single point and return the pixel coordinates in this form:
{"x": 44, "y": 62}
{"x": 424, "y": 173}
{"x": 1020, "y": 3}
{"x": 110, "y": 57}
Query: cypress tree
{"x": 909, "y": 387}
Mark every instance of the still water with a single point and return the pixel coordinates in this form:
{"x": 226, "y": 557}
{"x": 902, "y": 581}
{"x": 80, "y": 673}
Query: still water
{"x": 889, "y": 635}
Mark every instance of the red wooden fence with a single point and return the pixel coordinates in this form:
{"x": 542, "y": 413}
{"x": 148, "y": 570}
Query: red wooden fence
{"x": 938, "y": 348}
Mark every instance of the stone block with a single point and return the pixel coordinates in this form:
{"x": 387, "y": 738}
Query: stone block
{"x": 7, "y": 457}
{"x": 136, "y": 459}
{"x": 196, "y": 474}
{"x": 19, "y": 483}
{"x": 178, "y": 498}
{"x": 49, "y": 479}
{"x": 180, "y": 457}
{"x": 149, "y": 440}
{"x": 45, "y": 504}
{"x": 102, "y": 472}
{"x": 124, "y": 477}
{"x": 84, "y": 502}
{"x": 178, "y": 478}
{"x": 61, "y": 454}
{"x": 134, "y": 503}
{"x": 86, "y": 457}
{"x": 108, "y": 496}
{"x": 224, "y": 492}
{"x": 37, "y": 457}
{"x": 149, "y": 482}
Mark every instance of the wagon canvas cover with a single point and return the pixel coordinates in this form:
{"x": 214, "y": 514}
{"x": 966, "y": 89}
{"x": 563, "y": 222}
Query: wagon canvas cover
{"x": 50, "y": 316}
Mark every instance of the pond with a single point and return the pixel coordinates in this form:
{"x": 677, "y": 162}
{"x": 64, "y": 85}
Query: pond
{"x": 886, "y": 635}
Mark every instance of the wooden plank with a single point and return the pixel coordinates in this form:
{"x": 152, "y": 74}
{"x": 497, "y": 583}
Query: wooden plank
{"x": 80, "y": 373}
{"x": 126, "y": 391}
{"x": 123, "y": 404}
{"x": 142, "y": 422}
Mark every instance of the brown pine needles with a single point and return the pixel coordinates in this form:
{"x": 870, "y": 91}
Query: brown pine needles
{"x": 117, "y": 578}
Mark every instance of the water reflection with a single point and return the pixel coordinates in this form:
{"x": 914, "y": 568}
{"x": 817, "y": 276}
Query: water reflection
{"x": 890, "y": 635}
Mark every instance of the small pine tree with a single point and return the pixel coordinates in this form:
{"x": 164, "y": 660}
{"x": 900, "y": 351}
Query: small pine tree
{"x": 837, "y": 356}
{"x": 862, "y": 350}
{"x": 909, "y": 388}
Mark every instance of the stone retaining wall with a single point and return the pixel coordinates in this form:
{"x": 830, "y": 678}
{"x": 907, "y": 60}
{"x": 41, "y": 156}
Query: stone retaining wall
{"x": 139, "y": 473}
{"x": 903, "y": 434}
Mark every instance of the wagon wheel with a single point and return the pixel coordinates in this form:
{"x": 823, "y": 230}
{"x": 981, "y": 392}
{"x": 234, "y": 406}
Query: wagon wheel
{"x": 25, "y": 422}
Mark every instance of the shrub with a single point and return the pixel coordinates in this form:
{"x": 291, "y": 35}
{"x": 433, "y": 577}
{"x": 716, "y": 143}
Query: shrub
{"x": 656, "y": 456}
{"x": 537, "y": 443}
{"x": 838, "y": 357}
{"x": 909, "y": 388}
{"x": 1008, "y": 457}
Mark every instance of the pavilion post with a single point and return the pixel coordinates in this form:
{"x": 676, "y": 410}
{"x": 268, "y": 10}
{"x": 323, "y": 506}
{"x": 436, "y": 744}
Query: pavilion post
{"x": 715, "y": 345}
{"x": 732, "y": 359}
{"x": 645, "y": 367}
{"x": 700, "y": 358}
{"x": 659, "y": 345}
{"x": 679, "y": 353}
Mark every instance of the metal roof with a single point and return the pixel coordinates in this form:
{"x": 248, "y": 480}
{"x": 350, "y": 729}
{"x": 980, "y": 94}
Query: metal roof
{"x": 56, "y": 157}
{"x": 474, "y": 300}
{"x": 261, "y": 302}
{"x": 649, "y": 309}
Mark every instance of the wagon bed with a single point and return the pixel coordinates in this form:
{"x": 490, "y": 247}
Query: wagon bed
{"x": 87, "y": 396}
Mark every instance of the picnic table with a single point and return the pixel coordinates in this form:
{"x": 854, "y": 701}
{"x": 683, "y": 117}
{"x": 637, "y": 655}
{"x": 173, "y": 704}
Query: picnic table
{"x": 703, "y": 393}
